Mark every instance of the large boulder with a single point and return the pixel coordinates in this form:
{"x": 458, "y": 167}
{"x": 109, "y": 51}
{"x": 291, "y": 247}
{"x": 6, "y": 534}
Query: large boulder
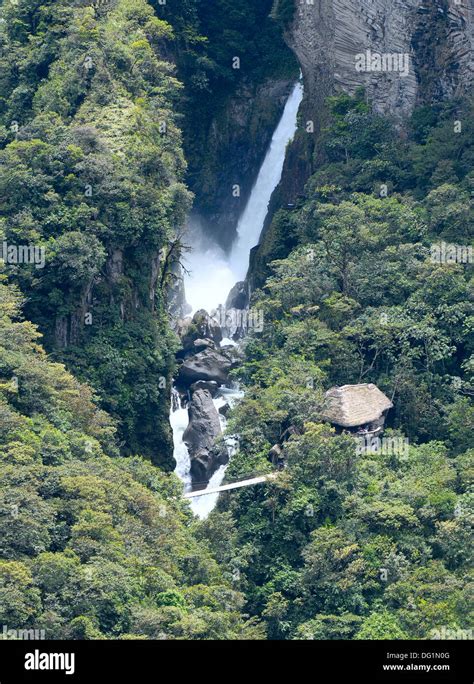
{"x": 200, "y": 437}
{"x": 201, "y": 327}
{"x": 238, "y": 296}
{"x": 205, "y": 463}
{"x": 200, "y": 345}
{"x": 209, "y": 365}
{"x": 204, "y": 424}
{"x": 207, "y": 326}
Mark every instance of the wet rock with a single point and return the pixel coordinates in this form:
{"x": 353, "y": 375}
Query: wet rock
{"x": 205, "y": 464}
{"x": 201, "y": 434}
{"x": 200, "y": 327}
{"x": 210, "y": 385}
{"x": 238, "y": 296}
{"x": 200, "y": 345}
{"x": 204, "y": 424}
{"x": 224, "y": 410}
{"x": 206, "y": 365}
{"x": 207, "y": 326}
{"x": 234, "y": 353}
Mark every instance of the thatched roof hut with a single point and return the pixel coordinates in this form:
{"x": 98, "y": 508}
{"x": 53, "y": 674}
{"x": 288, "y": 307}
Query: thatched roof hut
{"x": 353, "y": 405}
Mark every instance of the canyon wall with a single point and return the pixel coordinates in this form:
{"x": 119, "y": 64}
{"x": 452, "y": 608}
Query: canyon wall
{"x": 233, "y": 149}
{"x": 326, "y": 36}
{"x": 435, "y": 36}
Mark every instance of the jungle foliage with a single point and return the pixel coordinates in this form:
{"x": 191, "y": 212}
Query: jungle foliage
{"x": 91, "y": 169}
{"x": 92, "y": 546}
{"x": 352, "y": 543}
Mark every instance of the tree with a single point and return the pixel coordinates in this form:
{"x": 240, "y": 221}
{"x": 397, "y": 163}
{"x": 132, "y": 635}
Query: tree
{"x": 379, "y": 626}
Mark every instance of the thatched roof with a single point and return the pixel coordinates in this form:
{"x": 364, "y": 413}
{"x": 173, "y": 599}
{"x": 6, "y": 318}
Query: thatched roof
{"x": 354, "y": 405}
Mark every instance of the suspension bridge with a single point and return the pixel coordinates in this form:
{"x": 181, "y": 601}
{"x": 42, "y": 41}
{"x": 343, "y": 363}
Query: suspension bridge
{"x": 233, "y": 485}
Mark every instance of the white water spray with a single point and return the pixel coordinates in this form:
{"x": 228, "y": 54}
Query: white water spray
{"x": 212, "y": 275}
{"x": 209, "y": 278}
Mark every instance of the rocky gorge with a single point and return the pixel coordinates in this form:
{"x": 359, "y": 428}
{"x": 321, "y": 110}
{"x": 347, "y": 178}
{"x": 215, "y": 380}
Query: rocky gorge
{"x": 325, "y": 36}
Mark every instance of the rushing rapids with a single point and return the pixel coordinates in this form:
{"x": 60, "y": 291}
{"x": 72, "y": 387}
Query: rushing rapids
{"x": 211, "y": 275}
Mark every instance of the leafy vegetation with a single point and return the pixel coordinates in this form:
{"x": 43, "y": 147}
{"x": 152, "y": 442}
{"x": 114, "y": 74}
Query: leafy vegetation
{"x": 93, "y": 546}
{"x": 351, "y": 543}
{"x": 91, "y": 169}
{"x": 95, "y": 540}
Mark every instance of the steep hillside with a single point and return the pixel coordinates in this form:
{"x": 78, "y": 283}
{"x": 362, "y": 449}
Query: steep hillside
{"x": 93, "y": 546}
{"x": 435, "y": 41}
{"x": 91, "y": 171}
{"x": 373, "y": 284}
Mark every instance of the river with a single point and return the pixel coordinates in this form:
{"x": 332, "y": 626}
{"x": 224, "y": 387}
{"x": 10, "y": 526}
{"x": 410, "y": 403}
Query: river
{"x": 212, "y": 273}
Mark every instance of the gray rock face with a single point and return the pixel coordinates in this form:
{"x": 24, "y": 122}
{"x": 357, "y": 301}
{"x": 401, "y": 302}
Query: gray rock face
{"x": 198, "y": 332}
{"x": 204, "y": 424}
{"x": 206, "y": 365}
{"x": 224, "y": 410}
{"x": 328, "y": 34}
{"x": 207, "y": 327}
{"x": 182, "y": 325}
{"x": 233, "y": 156}
{"x": 200, "y": 345}
{"x": 211, "y": 386}
{"x": 178, "y": 307}
{"x": 200, "y": 437}
{"x": 238, "y": 296}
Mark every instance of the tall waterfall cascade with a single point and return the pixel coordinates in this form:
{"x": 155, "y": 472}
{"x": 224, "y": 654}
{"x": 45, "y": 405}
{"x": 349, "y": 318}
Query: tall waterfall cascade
{"x": 212, "y": 273}
{"x": 252, "y": 220}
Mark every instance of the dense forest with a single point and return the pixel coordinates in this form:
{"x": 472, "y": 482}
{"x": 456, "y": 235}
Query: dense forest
{"x": 105, "y": 113}
{"x": 92, "y": 166}
{"x": 360, "y": 298}
{"x": 93, "y": 546}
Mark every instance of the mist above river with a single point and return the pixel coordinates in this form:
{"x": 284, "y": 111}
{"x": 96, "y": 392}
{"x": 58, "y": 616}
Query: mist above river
{"x": 210, "y": 277}
{"x": 212, "y": 272}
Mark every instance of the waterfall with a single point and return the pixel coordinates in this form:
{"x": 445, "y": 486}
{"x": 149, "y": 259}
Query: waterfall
{"x": 251, "y": 222}
{"x": 211, "y": 275}
{"x": 179, "y": 423}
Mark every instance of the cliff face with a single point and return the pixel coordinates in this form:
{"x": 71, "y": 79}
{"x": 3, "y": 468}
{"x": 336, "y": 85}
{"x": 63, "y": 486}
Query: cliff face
{"x": 327, "y": 36}
{"x": 429, "y": 51}
{"x": 234, "y": 147}
{"x": 428, "y": 45}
